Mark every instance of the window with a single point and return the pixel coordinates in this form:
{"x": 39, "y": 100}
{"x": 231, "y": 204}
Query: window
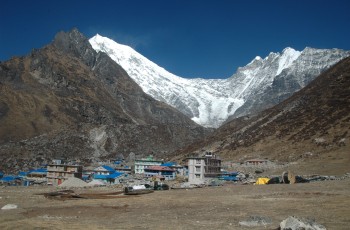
{"x": 198, "y": 161}
{"x": 198, "y": 175}
{"x": 198, "y": 168}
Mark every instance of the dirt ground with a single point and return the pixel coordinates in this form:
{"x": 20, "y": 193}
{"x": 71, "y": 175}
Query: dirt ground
{"x": 326, "y": 202}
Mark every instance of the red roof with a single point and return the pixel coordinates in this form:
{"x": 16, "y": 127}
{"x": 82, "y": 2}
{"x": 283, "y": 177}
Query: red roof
{"x": 159, "y": 168}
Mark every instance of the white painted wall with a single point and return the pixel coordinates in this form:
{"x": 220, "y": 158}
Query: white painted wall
{"x": 196, "y": 171}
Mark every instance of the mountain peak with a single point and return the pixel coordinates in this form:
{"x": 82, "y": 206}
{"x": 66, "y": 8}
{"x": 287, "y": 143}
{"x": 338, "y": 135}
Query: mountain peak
{"x": 75, "y": 44}
{"x": 63, "y": 38}
{"x": 258, "y": 58}
{"x": 288, "y": 50}
{"x": 105, "y": 42}
{"x": 289, "y": 55}
{"x": 207, "y": 102}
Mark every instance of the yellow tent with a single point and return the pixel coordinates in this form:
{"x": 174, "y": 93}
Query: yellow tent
{"x": 262, "y": 180}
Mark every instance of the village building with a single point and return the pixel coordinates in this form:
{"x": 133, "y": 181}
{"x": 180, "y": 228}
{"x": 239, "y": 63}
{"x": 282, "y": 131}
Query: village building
{"x": 160, "y": 171}
{"x": 256, "y": 162}
{"x": 124, "y": 169}
{"x": 179, "y": 169}
{"x": 121, "y": 166}
{"x": 57, "y": 172}
{"x": 87, "y": 173}
{"x": 106, "y": 174}
{"x": 35, "y": 176}
{"x": 141, "y": 164}
{"x": 201, "y": 168}
{"x": 103, "y": 170}
{"x": 112, "y": 178}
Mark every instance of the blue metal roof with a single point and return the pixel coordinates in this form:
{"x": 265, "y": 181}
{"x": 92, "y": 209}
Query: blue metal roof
{"x": 116, "y": 174}
{"x": 40, "y": 170}
{"x": 110, "y": 176}
{"x": 9, "y": 178}
{"x": 22, "y": 173}
{"x": 168, "y": 164}
{"x": 108, "y": 168}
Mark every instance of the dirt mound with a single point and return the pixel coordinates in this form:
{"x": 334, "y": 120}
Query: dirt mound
{"x": 74, "y": 182}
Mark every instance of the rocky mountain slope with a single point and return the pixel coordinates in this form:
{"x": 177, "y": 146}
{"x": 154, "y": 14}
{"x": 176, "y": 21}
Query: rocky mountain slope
{"x": 259, "y": 85}
{"x": 311, "y": 128}
{"x": 68, "y": 101}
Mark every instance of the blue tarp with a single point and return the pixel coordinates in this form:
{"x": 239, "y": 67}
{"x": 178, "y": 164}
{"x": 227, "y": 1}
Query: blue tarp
{"x": 229, "y": 176}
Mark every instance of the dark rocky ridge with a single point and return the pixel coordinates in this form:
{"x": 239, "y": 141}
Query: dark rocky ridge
{"x": 66, "y": 100}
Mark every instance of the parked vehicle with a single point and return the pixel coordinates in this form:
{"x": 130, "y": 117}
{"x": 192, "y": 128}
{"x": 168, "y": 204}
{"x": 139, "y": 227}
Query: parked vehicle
{"x": 138, "y": 189}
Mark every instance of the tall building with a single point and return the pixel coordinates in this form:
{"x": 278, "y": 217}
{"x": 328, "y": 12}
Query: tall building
{"x": 200, "y": 168}
{"x": 57, "y": 172}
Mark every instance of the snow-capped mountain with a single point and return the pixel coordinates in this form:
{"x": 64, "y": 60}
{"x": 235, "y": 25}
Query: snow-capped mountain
{"x": 210, "y": 102}
{"x": 306, "y": 66}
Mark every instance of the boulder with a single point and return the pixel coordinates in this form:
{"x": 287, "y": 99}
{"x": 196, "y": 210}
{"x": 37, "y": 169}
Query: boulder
{"x": 295, "y": 223}
{"x": 9, "y": 206}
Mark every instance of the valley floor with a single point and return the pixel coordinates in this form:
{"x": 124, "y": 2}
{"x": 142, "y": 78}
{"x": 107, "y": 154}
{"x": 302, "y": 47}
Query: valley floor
{"x": 326, "y": 202}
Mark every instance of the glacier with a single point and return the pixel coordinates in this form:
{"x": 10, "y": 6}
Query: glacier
{"x": 211, "y": 102}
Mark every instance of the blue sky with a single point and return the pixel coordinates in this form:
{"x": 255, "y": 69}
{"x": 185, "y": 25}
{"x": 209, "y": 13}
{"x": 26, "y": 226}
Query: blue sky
{"x": 190, "y": 38}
